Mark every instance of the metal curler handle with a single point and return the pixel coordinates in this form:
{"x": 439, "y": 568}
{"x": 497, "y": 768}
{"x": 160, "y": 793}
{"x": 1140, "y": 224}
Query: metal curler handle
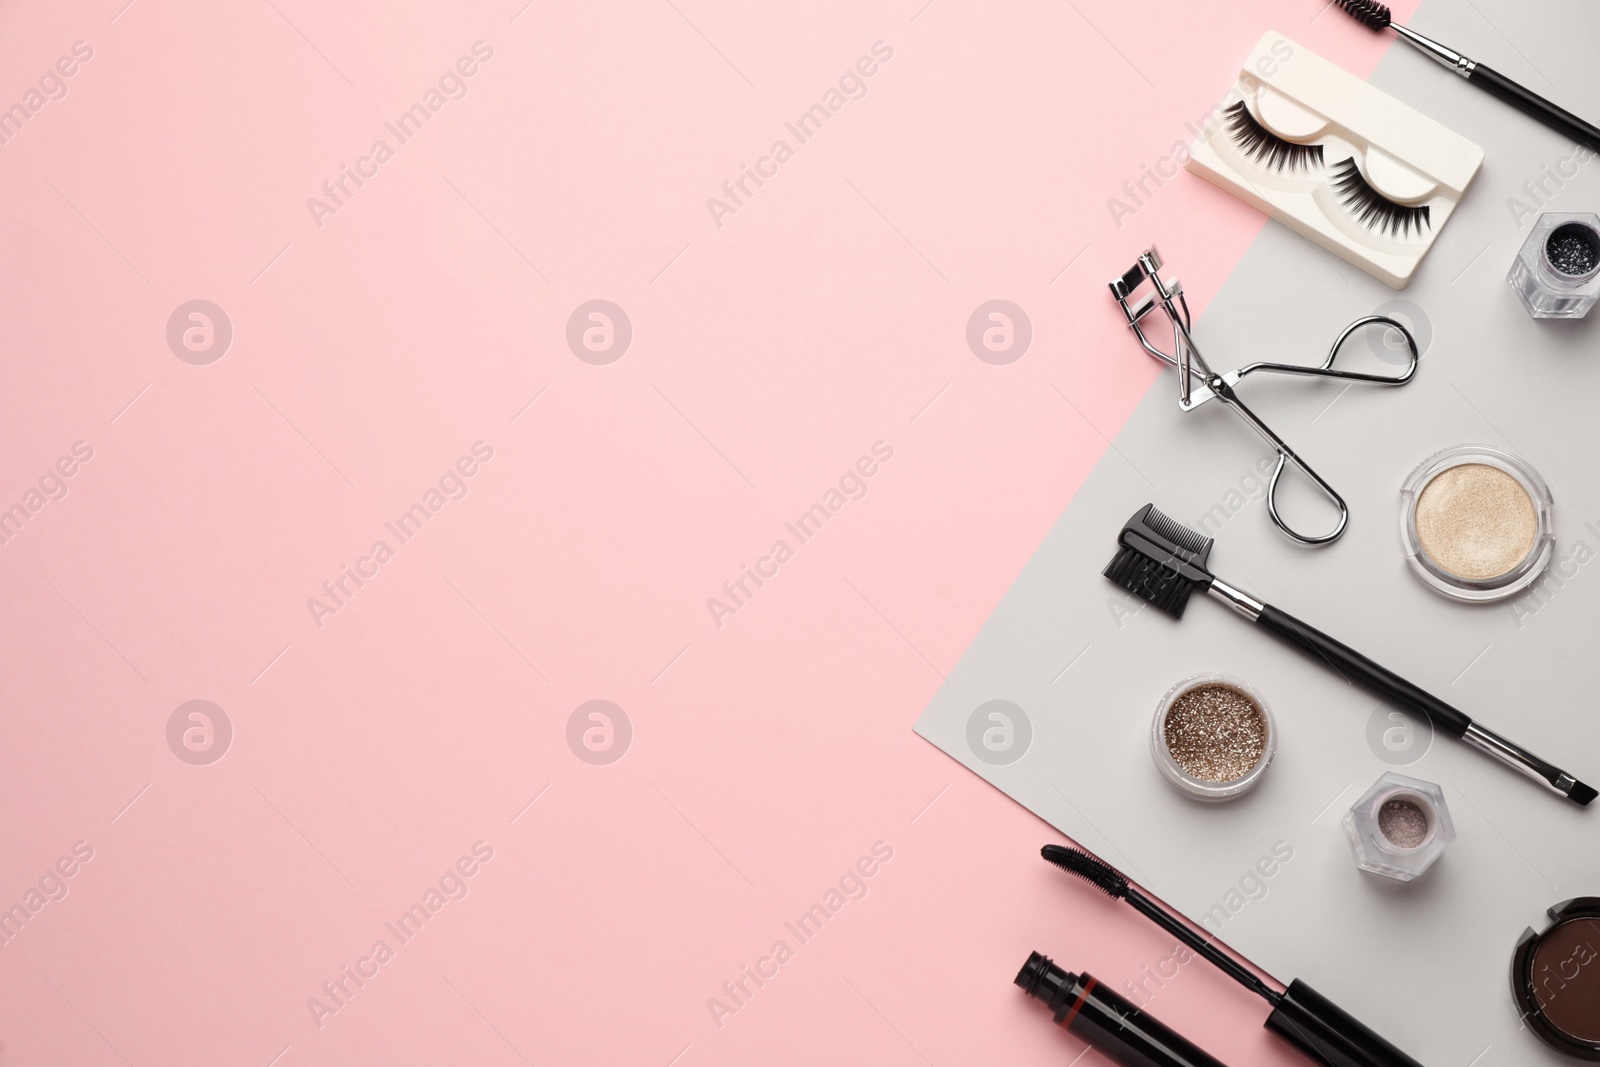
{"x": 1287, "y": 455}
{"x": 1198, "y": 383}
{"x": 1328, "y": 491}
{"x": 1325, "y": 370}
{"x": 1222, "y": 388}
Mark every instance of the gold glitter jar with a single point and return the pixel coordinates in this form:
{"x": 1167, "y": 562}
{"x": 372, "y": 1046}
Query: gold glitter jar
{"x": 1476, "y": 523}
{"x": 1213, "y": 737}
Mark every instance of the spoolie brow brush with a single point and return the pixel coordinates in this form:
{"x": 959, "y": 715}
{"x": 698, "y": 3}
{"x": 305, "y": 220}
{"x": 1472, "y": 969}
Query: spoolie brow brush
{"x": 1162, "y": 562}
{"x": 1375, "y": 16}
{"x": 1313, "y": 1023}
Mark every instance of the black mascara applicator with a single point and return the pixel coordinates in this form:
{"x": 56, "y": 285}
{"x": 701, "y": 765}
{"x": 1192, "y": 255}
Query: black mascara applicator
{"x": 1162, "y": 562}
{"x": 1375, "y": 16}
{"x": 1307, "y": 1019}
{"x": 1121, "y": 1031}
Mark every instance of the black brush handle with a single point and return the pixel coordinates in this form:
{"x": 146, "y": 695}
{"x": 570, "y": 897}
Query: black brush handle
{"x": 1354, "y": 667}
{"x": 1557, "y": 118}
{"x": 1329, "y": 1034}
{"x": 1199, "y": 939}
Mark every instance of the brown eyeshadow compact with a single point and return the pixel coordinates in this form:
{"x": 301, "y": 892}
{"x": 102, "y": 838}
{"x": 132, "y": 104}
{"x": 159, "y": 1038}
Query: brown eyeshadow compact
{"x": 1555, "y": 978}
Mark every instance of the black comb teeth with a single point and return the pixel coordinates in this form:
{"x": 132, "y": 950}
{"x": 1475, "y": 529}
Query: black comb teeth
{"x": 1177, "y": 533}
{"x": 1369, "y": 13}
{"x": 1090, "y": 868}
{"x": 1160, "y": 561}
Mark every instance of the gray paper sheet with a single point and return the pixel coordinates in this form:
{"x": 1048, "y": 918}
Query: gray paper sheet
{"x": 1424, "y": 963}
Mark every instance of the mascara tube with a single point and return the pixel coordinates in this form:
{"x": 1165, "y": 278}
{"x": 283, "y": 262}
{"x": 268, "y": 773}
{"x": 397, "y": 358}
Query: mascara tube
{"x": 1129, "y": 1035}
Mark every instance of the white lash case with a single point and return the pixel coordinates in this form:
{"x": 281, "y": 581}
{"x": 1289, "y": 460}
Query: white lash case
{"x": 1402, "y": 154}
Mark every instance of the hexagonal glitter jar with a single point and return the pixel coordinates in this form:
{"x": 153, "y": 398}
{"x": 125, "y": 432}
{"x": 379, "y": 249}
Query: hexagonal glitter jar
{"x": 1556, "y": 274}
{"x": 1399, "y": 827}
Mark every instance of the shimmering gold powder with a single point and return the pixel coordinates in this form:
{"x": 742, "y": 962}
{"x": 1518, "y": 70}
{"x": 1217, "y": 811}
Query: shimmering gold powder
{"x": 1476, "y": 521}
{"x": 1216, "y": 733}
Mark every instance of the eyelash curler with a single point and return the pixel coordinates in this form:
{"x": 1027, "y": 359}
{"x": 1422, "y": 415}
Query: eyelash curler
{"x": 1198, "y": 383}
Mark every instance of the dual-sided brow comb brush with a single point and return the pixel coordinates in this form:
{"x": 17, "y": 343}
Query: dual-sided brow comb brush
{"x": 1310, "y": 1021}
{"x": 1162, "y": 562}
{"x": 1375, "y": 16}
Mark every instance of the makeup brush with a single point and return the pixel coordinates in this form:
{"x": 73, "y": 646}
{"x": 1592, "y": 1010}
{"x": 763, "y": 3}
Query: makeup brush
{"x": 1162, "y": 562}
{"x": 1375, "y": 16}
{"x": 1307, "y": 1019}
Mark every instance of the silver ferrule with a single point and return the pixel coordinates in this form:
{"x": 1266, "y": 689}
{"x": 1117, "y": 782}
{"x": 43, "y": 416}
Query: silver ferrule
{"x": 1237, "y": 599}
{"x": 1445, "y": 57}
{"x": 1518, "y": 757}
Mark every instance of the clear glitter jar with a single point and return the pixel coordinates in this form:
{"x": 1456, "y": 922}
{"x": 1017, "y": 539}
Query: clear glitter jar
{"x": 1213, "y": 737}
{"x": 1476, "y": 523}
{"x": 1399, "y": 827}
{"x": 1556, "y": 274}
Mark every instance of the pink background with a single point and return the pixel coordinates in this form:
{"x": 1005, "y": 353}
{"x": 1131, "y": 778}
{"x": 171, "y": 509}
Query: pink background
{"x": 826, "y": 314}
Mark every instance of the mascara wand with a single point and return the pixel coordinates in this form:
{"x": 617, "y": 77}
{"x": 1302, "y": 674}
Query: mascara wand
{"x": 1375, "y": 16}
{"x": 1307, "y": 1019}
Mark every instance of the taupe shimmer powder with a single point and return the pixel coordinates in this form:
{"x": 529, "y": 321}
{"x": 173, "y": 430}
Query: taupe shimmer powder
{"x": 1476, "y": 521}
{"x": 1216, "y": 733}
{"x": 1403, "y": 822}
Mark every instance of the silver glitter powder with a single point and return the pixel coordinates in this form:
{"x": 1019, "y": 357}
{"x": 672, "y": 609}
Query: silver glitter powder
{"x": 1572, "y": 250}
{"x": 1403, "y": 822}
{"x": 1216, "y": 733}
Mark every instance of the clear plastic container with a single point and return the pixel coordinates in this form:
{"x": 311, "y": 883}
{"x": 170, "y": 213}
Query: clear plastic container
{"x": 1173, "y": 770}
{"x": 1556, "y": 274}
{"x": 1393, "y": 847}
{"x": 1477, "y": 587}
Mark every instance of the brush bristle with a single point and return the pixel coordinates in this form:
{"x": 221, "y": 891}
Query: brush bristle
{"x": 1150, "y": 581}
{"x": 1581, "y": 793}
{"x": 1160, "y": 561}
{"x": 1091, "y": 869}
{"x": 1370, "y": 13}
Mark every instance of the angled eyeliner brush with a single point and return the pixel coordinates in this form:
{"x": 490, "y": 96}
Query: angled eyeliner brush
{"x": 1375, "y": 16}
{"x": 1162, "y": 562}
{"x": 1310, "y": 1021}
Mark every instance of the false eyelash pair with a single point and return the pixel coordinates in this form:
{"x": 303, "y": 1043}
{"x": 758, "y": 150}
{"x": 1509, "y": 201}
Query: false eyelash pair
{"x": 1371, "y": 208}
